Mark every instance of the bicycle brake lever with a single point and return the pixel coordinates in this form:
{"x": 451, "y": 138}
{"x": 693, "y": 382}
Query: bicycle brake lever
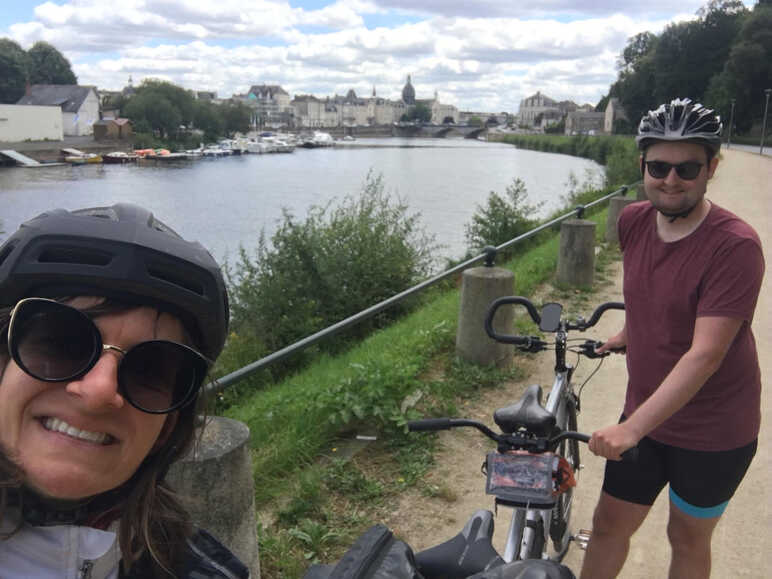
{"x": 534, "y": 345}
{"x": 588, "y": 349}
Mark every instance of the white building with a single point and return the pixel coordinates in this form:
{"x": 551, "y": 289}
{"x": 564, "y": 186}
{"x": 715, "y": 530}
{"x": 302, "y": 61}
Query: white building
{"x": 79, "y": 105}
{"x": 30, "y": 123}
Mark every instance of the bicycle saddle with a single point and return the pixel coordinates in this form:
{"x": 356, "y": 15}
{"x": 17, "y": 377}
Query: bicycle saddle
{"x": 527, "y": 413}
{"x": 464, "y": 554}
{"x": 528, "y": 569}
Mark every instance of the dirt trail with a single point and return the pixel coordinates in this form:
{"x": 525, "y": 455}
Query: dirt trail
{"x": 742, "y": 545}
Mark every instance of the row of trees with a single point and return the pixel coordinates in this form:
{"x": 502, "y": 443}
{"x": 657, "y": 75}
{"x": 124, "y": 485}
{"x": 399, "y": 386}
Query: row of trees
{"x": 41, "y": 64}
{"x": 168, "y": 111}
{"x": 724, "y": 54}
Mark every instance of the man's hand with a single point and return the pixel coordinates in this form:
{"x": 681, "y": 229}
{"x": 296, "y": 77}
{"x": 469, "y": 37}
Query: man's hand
{"x": 612, "y": 441}
{"x": 617, "y": 342}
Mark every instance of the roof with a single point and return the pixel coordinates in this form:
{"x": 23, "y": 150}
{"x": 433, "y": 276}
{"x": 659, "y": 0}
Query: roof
{"x": 68, "y": 96}
{"x": 269, "y": 88}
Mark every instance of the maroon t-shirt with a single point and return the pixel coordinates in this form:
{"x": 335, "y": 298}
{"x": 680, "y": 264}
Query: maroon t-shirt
{"x": 714, "y": 271}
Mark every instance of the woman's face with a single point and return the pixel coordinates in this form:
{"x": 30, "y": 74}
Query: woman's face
{"x": 80, "y": 438}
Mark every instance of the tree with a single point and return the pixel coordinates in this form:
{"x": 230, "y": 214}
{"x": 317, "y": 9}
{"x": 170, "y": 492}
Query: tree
{"x": 48, "y": 66}
{"x": 474, "y": 121}
{"x": 208, "y": 119}
{"x": 162, "y": 106}
{"x": 636, "y": 48}
{"x": 419, "y": 112}
{"x": 236, "y": 117}
{"x": 747, "y": 70}
{"x": 13, "y": 71}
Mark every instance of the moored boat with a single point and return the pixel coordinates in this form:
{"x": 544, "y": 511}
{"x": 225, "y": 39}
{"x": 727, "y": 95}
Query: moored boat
{"x": 119, "y": 158}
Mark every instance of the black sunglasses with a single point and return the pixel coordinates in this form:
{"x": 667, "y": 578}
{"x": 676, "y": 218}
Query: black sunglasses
{"x": 54, "y": 342}
{"x": 687, "y": 170}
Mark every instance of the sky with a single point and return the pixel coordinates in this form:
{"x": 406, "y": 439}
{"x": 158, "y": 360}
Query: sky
{"x": 479, "y": 55}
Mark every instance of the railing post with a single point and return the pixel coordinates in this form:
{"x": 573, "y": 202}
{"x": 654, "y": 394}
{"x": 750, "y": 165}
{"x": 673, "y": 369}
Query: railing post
{"x": 479, "y": 287}
{"x": 616, "y": 204}
{"x": 576, "y": 261}
{"x": 215, "y": 483}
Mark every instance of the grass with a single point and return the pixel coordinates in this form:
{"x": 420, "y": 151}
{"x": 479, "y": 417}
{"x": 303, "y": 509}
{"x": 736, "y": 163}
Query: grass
{"x": 312, "y": 503}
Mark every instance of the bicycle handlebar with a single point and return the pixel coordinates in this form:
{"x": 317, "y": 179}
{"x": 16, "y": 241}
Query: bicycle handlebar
{"x": 513, "y": 441}
{"x": 528, "y": 341}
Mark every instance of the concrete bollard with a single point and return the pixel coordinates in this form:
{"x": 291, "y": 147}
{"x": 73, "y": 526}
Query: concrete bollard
{"x": 576, "y": 261}
{"x": 616, "y": 204}
{"x": 479, "y": 287}
{"x": 216, "y": 486}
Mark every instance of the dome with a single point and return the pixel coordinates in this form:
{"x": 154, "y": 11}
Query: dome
{"x": 408, "y": 93}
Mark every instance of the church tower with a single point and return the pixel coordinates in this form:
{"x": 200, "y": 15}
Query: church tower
{"x": 408, "y": 93}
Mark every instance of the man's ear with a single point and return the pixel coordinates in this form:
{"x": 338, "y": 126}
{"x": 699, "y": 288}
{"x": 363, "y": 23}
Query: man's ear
{"x": 712, "y": 166}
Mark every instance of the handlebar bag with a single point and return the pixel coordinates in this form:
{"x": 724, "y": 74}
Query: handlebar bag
{"x": 376, "y": 554}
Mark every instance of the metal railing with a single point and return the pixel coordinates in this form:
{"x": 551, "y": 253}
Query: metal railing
{"x": 488, "y": 255}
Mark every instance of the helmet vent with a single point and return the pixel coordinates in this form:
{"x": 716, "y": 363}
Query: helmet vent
{"x": 74, "y": 255}
{"x": 169, "y": 277}
{"x": 6, "y": 252}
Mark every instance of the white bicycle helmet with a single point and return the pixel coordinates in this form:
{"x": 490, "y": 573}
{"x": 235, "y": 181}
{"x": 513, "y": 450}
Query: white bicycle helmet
{"x": 680, "y": 120}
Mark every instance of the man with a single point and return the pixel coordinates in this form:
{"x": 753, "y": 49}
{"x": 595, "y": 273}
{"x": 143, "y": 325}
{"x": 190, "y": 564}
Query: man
{"x": 692, "y": 274}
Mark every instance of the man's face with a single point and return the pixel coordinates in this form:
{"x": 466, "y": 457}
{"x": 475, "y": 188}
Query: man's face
{"x": 672, "y": 194}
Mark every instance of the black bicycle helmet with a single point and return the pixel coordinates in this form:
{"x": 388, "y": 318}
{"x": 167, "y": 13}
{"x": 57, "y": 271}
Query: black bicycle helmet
{"x": 120, "y": 252}
{"x": 680, "y": 120}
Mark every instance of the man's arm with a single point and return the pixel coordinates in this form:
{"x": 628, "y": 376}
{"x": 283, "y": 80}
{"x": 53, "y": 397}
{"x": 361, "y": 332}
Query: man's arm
{"x": 712, "y": 338}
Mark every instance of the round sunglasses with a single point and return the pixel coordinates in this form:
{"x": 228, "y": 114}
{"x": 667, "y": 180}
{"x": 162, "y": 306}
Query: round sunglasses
{"x": 688, "y": 170}
{"x": 53, "y": 342}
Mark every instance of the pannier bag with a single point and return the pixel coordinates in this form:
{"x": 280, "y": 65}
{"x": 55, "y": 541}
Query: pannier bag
{"x": 376, "y": 554}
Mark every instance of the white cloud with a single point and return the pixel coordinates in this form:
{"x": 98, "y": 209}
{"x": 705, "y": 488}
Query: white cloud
{"x": 487, "y": 54}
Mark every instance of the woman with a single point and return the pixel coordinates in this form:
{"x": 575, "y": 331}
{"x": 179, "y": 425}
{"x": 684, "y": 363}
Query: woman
{"x": 109, "y": 322}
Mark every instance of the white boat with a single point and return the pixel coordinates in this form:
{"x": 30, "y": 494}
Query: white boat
{"x": 318, "y": 139}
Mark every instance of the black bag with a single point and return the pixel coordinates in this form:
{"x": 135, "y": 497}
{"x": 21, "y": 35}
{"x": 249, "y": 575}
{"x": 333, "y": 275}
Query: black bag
{"x": 377, "y": 554}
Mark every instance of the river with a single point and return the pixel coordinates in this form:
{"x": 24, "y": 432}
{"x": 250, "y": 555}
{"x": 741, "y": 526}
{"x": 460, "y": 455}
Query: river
{"x": 226, "y": 202}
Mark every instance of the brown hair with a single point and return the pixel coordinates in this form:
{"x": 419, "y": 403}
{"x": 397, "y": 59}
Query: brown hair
{"x": 153, "y": 525}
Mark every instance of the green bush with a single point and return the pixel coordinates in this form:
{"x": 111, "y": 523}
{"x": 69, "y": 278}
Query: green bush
{"x": 339, "y": 261}
{"x": 502, "y": 218}
{"x": 622, "y": 163}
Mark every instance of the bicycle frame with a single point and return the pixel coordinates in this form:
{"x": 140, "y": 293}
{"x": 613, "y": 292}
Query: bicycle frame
{"x": 524, "y": 524}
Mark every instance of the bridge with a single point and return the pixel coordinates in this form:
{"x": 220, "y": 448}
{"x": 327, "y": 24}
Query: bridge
{"x": 438, "y": 131}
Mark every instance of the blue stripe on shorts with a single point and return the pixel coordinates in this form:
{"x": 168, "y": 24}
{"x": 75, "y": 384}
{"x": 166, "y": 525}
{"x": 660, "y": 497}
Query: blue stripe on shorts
{"x": 697, "y": 512}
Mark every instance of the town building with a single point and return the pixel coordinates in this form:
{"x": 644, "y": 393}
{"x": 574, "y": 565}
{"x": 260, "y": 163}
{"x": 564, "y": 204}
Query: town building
{"x": 353, "y": 110}
{"x": 270, "y": 105}
{"x": 113, "y": 129}
{"x": 614, "y": 112}
{"x": 30, "y": 123}
{"x": 582, "y": 122}
{"x": 79, "y": 105}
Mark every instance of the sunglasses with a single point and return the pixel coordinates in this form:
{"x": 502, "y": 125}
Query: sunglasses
{"x": 687, "y": 170}
{"x": 54, "y": 342}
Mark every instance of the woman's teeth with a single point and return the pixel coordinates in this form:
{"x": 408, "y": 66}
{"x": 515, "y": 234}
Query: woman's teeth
{"x": 57, "y": 425}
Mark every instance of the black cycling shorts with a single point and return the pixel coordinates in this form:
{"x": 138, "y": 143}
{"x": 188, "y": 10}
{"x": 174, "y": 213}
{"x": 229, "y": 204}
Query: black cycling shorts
{"x": 701, "y": 482}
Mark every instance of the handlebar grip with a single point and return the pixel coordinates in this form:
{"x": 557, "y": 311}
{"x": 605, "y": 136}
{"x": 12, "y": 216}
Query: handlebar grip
{"x": 507, "y": 338}
{"x": 428, "y": 424}
{"x": 631, "y": 454}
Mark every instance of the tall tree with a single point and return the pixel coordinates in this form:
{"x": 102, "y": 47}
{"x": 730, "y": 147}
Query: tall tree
{"x": 160, "y": 106}
{"x": 748, "y": 70}
{"x": 13, "y": 71}
{"x": 49, "y": 66}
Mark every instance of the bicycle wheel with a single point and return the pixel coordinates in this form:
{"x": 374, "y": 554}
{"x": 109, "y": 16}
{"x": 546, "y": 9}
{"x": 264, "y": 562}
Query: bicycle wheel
{"x": 561, "y": 512}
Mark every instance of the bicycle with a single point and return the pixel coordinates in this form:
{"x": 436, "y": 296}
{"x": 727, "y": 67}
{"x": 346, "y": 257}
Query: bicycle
{"x": 535, "y": 446}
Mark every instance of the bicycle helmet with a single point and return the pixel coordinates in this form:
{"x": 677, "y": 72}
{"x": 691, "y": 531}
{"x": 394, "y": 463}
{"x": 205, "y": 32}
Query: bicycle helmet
{"x": 680, "y": 120}
{"x": 120, "y": 252}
